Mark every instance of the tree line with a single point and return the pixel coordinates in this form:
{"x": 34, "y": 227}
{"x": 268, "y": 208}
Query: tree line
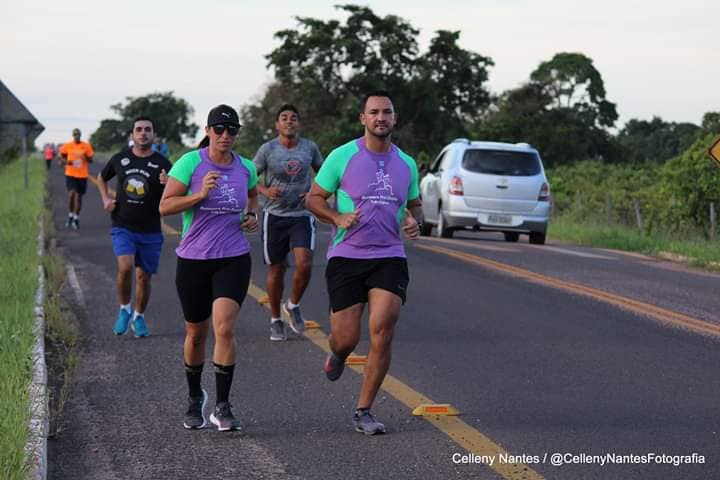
{"x": 324, "y": 67}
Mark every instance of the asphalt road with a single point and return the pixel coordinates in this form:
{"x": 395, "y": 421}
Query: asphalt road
{"x": 543, "y": 349}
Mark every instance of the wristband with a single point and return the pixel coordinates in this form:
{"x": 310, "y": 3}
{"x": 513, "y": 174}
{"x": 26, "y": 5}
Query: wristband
{"x": 251, "y": 213}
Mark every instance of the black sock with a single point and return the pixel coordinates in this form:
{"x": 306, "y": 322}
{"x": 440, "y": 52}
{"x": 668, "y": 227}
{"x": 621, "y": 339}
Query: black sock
{"x": 194, "y": 375}
{"x": 223, "y": 381}
{"x": 358, "y": 411}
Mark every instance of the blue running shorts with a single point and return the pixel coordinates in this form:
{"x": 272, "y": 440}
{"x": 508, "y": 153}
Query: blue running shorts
{"x": 145, "y": 246}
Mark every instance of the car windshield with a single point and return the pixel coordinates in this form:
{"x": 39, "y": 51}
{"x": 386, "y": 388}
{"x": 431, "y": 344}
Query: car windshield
{"x": 502, "y": 162}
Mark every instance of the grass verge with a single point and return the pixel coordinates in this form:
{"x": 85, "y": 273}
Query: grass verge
{"x": 19, "y": 214}
{"x": 696, "y": 252}
{"x": 61, "y": 333}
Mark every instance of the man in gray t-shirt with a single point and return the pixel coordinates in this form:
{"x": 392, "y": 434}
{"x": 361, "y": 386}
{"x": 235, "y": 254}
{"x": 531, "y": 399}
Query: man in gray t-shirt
{"x": 286, "y": 162}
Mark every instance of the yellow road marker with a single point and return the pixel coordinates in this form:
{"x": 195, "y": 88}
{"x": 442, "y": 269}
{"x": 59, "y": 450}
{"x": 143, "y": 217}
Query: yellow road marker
{"x": 437, "y": 409}
{"x": 663, "y": 315}
{"x": 311, "y": 324}
{"x": 460, "y": 432}
{"x": 356, "y": 360}
{"x": 167, "y": 229}
{"x": 265, "y": 299}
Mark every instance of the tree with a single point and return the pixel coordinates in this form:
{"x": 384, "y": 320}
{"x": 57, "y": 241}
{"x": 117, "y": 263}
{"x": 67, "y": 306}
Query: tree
{"x": 656, "y": 140}
{"x": 572, "y": 82}
{"x": 711, "y": 123}
{"x": 171, "y": 117}
{"x": 562, "y": 111}
{"x": 109, "y": 134}
{"x": 324, "y": 67}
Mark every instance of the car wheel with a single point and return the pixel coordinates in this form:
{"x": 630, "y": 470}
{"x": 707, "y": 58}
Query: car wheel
{"x": 442, "y": 230}
{"x": 537, "y": 238}
{"x": 426, "y": 229}
{"x": 511, "y": 236}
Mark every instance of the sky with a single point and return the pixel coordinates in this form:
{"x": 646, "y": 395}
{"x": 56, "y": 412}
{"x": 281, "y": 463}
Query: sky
{"x": 69, "y": 61}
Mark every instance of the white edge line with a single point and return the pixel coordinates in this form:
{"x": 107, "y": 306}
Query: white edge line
{"x": 38, "y": 426}
{"x": 75, "y": 284}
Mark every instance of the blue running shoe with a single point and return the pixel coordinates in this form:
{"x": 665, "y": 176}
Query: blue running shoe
{"x": 122, "y": 321}
{"x": 138, "y": 326}
{"x": 297, "y": 321}
{"x": 365, "y": 422}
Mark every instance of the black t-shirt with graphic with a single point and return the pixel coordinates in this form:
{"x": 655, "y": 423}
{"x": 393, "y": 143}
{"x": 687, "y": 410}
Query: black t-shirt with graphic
{"x": 138, "y": 190}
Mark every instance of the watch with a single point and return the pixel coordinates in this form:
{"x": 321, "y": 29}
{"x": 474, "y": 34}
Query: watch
{"x": 251, "y": 213}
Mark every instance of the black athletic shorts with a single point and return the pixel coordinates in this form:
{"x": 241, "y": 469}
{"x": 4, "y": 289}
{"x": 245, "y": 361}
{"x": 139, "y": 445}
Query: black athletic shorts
{"x": 200, "y": 282}
{"x": 350, "y": 279}
{"x": 282, "y": 234}
{"x": 75, "y": 184}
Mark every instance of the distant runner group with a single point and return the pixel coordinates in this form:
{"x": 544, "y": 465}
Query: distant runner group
{"x": 376, "y": 199}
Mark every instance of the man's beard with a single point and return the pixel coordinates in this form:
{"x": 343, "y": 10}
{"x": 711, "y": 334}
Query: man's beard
{"x": 388, "y": 131}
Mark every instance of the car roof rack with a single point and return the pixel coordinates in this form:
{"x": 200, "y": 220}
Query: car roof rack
{"x": 464, "y": 140}
{"x": 523, "y": 144}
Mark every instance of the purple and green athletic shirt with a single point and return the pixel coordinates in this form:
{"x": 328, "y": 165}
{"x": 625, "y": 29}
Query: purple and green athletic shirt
{"x": 379, "y": 185}
{"x": 211, "y": 228}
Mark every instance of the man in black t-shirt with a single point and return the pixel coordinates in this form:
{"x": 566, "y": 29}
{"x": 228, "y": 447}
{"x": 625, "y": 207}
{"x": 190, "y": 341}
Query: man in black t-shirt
{"x": 136, "y": 230}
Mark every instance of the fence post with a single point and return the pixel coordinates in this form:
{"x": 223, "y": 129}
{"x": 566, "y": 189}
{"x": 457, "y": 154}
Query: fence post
{"x": 25, "y": 157}
{"x": 713, "y": 226}
{"x": 608, "y": 207}
{"x": 638, "y": 214}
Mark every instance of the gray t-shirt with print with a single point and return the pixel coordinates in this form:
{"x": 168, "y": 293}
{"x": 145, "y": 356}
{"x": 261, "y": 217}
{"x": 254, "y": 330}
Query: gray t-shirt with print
{"x": 289, "y": 169}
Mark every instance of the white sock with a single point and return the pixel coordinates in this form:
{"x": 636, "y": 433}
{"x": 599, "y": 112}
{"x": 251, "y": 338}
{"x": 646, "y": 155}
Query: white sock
{"x": 136, "y": 314}
{"x": 275, "y": 319}
{"x": 126, "y": 308}
{"x": 76, "y": 216}
{"x": 291, "y": 305}
{"x": 71, "y": 215}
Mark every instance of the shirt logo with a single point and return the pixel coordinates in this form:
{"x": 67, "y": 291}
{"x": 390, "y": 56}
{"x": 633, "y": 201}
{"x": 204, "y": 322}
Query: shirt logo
{"x": 136, "y": 187}
{"x": 125, "y": 162}
{"x": 150, "y": 164}
{"x": 382, "y": 183}
{"x": 293, "y": 167}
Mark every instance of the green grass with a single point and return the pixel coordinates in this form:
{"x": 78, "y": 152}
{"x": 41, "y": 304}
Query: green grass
{"x": 693, "y": 250}
{"x": 19, "y": 213}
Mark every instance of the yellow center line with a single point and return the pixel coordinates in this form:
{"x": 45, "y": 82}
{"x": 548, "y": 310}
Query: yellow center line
{"x": 667, "y": 317}
{"x": 167, "y": 229}
{"x": 460, "y": 432}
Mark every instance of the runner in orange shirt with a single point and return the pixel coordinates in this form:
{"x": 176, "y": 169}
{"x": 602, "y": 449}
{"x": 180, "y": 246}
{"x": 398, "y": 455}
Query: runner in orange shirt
{"x": 76, "y": 156}
{"x": 49, "y": 154}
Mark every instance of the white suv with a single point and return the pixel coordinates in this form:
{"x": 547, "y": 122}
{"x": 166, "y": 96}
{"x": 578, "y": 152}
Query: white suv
{"x": 487, "y": 186}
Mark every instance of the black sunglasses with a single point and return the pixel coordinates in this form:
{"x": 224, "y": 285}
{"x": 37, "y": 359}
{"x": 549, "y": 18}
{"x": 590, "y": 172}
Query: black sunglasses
{"x": 220, "y": 128}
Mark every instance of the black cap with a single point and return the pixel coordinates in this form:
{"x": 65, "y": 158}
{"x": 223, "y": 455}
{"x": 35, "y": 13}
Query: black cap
{"x": 223, "y": 114}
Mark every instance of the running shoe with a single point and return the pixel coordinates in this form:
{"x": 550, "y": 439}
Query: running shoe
{"x": 297, "y": 322}
{"x": 138, "y": 326}
{"x": 76, "y": 224}
{"x": 69, "y": 222}
{"x": 365, "y": 422}
{"x": 224, "y": 419}
{"x": 277, "y": 331}
{"x": 334, "y": 366}
{"x": 195, "y": 415}
{"x": 121, "y": 322}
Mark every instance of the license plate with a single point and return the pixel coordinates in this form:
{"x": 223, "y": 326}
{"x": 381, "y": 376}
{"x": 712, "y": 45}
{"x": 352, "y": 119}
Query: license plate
{"x": 500, "y": 219}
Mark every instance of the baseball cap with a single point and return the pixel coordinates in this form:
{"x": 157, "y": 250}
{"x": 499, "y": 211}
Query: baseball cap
{"x": 223, "y": 114}
{"x": 76, "y": 131}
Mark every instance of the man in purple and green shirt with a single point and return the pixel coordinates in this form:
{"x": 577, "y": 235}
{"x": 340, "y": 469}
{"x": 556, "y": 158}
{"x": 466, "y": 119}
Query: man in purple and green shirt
{"x": 376, "y": 189}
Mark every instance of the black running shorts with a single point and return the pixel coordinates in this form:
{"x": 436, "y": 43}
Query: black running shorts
{"x": 200, "y": 282}
{"x": 350, "y": 279}
{"x": 282, "y": 234}
{"x": 73, "y": 184}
